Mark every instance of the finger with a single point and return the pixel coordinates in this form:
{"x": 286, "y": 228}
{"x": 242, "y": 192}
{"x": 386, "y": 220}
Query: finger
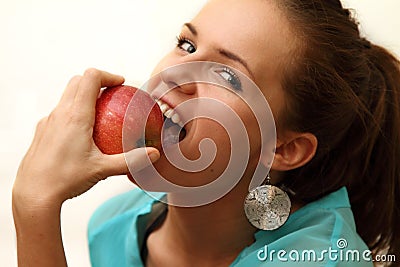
{"x": 40, "y": 128}
{"x": 70, "y": 91}
{"x": 132, "y": 161}
{"x": 89, "y": 87}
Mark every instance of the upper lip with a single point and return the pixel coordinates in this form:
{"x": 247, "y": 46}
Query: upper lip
{"x": 166, "y": 101}
{"x": 157, "y": 97}
{"x": 172, "y": 106}
{"x": 187, "y": 126}
{"x": 159, "y": 94}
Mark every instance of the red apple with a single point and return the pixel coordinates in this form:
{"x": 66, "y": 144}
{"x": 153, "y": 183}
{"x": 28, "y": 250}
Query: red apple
{"x": 126, "y": 118}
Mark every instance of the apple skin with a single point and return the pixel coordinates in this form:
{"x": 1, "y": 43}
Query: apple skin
{"x": 114, "y": 111}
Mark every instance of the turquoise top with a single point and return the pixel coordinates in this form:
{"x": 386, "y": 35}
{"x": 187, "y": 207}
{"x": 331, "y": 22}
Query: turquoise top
{"x": 321, "y": 233}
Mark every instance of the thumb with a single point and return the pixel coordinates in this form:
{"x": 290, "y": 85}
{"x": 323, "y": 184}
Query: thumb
{"x": 131, "y": 161}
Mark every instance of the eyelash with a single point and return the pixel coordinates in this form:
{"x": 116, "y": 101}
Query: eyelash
{"x": 233, "y": 80}
{"x": 180, "y": 40}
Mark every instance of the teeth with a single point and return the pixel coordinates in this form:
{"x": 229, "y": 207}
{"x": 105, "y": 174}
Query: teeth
{"x": 164, "y": 107}
{"x": 175, "y": 118}
{"x": 169, "y": 112}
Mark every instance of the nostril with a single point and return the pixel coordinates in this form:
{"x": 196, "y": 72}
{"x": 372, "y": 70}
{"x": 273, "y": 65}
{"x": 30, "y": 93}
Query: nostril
{"x": 188, "y": 89}
{"x": 169, "y": 77}
{"x": 172, "y": 85}
{"x": 178, "y": 78}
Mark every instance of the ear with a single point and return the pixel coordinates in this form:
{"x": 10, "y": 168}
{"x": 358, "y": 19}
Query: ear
{"x": 294, "y": 150}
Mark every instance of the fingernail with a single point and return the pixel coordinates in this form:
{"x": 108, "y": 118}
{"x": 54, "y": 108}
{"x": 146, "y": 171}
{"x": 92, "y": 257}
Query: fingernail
{"x": 154, "y": 156}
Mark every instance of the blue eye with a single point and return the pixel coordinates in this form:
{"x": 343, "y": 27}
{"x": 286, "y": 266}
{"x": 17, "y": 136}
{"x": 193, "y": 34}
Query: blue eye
{"x": 231, "y": 78}
{"x": 184, "y": 44}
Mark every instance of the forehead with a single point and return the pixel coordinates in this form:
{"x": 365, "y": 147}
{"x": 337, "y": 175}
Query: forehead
{"x": 254, "y": 29}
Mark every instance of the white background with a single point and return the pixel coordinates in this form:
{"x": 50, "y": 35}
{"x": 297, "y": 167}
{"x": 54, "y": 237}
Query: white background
{"x": 45, "y": 42}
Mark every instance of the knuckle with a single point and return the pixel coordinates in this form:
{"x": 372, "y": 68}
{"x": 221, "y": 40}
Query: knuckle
{"x": 77, "y": 118}
{"x": 41, "y": 123}
{"x": 68, "y": 116}
{"x": 53, "y": 115}
{"x": 75, "y": 79}
{"x": 92, "y": 73}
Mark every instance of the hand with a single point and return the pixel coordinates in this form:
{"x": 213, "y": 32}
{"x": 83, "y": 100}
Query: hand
{"x": 63, "y": 160}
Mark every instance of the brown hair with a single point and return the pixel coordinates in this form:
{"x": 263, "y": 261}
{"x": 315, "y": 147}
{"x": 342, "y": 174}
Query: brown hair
{"x": 346, "y": 91}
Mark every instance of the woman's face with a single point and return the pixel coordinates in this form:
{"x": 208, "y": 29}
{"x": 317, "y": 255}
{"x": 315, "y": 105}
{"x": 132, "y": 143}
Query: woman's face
{"x": 250, "y": 36}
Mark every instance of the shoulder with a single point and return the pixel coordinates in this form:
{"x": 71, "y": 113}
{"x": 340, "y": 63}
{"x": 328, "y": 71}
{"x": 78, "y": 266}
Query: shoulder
{"x": 322, "y": 233}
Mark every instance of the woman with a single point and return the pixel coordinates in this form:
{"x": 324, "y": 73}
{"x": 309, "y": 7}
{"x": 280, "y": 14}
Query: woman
{"x": 335, "y": 98}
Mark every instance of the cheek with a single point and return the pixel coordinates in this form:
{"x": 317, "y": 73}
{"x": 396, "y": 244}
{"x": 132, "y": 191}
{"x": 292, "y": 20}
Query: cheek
{"x": 195, "y": 147}
{"x": 278, "y": 102}
{"x": 206, "y": 131}
{"x": 251, "y": 125}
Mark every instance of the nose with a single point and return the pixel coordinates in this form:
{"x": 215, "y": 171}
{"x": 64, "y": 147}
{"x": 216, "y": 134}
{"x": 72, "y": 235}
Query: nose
{"x": 180, "y": 77}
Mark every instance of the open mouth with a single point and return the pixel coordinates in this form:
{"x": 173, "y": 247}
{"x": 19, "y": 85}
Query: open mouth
{"x": 174, "y": 130}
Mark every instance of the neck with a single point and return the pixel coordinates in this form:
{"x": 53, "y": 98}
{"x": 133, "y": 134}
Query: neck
{"x": 208, "y": 233}
{"x": 213, "y": 234}
{"x": 212, "y": 226}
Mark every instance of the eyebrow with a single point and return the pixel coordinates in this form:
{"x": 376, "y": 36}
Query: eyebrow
{"x": 222, "y": 51}
{"x": 191, "y": 28}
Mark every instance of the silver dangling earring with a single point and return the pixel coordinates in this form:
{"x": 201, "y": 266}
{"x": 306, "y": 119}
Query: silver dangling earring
{"x": 267, "y": 207}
